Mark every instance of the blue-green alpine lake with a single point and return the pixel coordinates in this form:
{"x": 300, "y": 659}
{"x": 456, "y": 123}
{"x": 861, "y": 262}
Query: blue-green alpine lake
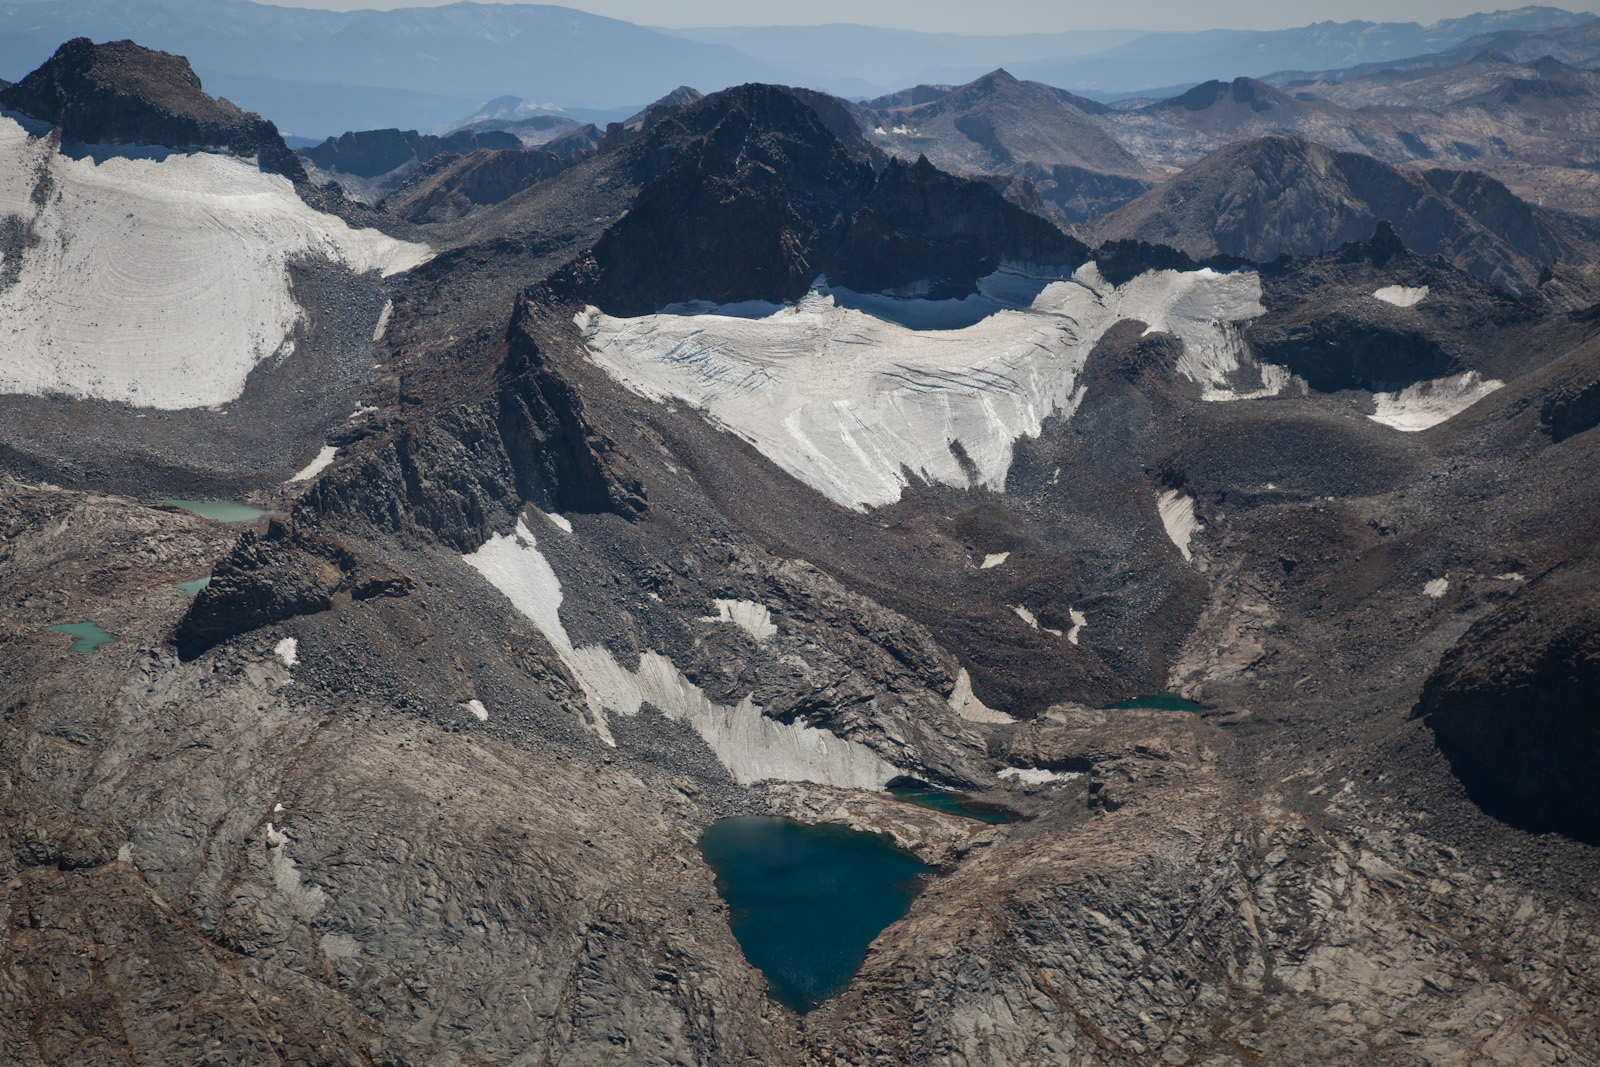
{"x": 1160, "y": 702}
{"x": 89, "y": 636}
{"x": 952, "y": 803}
{"x": 805, "y": 901}
{"x": 193, "y": 587}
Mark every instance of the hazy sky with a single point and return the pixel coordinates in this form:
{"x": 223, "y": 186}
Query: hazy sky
{"x": 1008, "y": 16}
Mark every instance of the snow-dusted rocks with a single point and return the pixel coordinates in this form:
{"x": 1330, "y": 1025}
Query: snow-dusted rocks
{"x": 847, "y": 391}
{"x": 1425, "y": 404}
{"x": 158, "y": 282}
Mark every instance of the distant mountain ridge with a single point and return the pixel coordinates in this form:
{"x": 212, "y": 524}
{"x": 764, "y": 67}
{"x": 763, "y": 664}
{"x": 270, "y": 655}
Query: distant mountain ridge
{"x": 422, "y": 67}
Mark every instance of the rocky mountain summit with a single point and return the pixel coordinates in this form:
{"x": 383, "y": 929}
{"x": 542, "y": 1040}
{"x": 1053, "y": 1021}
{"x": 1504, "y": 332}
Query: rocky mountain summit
{"x": 121, "y": 93}
{"x": 1264, "y": 198}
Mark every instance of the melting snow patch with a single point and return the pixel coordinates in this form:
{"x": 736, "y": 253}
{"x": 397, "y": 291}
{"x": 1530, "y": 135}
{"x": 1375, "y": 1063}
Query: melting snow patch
{"x": 1511, "y": 576}
{"x": 753, "y": 747}
{"x": 754, "y": 619}
{"x": 1079, "y": 619}
{"x": 1177, "y": 515}
{"x": 287, "y": 650}
{"x": 967, "y": 705}
{"x": 1036, "y": 776}
{"x": 479, "y": 712}
{"x": 561, "y": 521}
{"x": 1025, "y": 615}
{"x": 125, "y": 853}
{"x": 160, "y": 283}
{"x": 1425, "y": 404}
{"x": 846, "y": 392}
{"x": 318, "y": 465}
{"x": 1436, "y": 588}
{"x": 994, "y": 559}
{"x": 1401, "y": 296}
{"x": 383, "y": 321}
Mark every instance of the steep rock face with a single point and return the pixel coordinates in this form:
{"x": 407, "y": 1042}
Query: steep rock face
{"x": 1513, "y": 705}
{"x": 1260, "y": 199}
{"x": 755, "y": 196}
{"x": 453, "y": 477}
{"x": 121, "y": 93}
{"x": 286, "y": 572}
{"x": 370, "y": 153}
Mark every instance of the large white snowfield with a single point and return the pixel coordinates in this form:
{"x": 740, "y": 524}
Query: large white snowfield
{"x": 159, "y": 282}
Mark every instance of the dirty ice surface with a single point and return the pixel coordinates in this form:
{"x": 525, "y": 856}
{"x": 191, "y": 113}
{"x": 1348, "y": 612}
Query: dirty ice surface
{"x": 845, "y": 391}
{"x": 1425, "y": 404}
{"x": 158, "y": 282}
{"x": 752, "y": 746}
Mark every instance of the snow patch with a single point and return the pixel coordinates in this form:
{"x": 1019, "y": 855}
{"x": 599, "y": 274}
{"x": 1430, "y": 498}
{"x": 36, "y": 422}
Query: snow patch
{"x": 1079, "y": 620}
{"x": 847, "y": 391}
{"x": 1425, "y": 404}
{"x": 561, "y": 521}
{"x": 753, "y": 747}
{"x": 754, "y": 619}
{"x": 125, "y": 853}
{"x": 316, "y": 466}
{"x": 383, "y": 321}
{"x": 1401, "y": 296}
{"x": 288, "y": 650}
{"x": 1510, "y": 576}
{"x": 1025, "y": 615}
{"x": 1436, "y": 588}
{"x": 1177, "y": 515}
{"x": 158, "y": 282}
{"x": 967, "y": 705}
{"x": 1036, "y": 776}
{"x": 477, "y": 709}
{"x": 994, "y": 559}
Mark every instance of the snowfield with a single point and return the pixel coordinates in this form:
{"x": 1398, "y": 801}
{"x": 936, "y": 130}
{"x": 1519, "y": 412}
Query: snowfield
{"x": 1425, "y": 404}
{"x": 158, "y": 282}
{"x": 751, "y": 746}
{"x": 846, "y": 391}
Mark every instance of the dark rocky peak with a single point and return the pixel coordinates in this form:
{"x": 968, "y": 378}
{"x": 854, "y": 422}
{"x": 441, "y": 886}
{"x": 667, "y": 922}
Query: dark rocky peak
{"x": 1257, "y": 95}
{"x": 575, "y": 144}
{"x": 620, "y": 133}
{"x": 122, "y": 93}
{"x": 750, "y": 195}
{"x": 1271, "y": 196}
{"x": 370, "y": 153}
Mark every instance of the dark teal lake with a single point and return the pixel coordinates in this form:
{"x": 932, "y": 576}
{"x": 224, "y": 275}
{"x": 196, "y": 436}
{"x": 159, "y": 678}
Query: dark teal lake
{"x": 221, "y": 510}
{"x": 89, "y": 636}
{"x": 953, "y": 804}
{"x": 1160, "y": 702}
{"x": 805, "y": 901}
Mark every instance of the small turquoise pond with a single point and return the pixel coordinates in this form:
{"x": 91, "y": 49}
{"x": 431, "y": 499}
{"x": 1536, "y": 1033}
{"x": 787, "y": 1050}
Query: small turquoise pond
{"x": 805, "y": 901}
{"x": 195, "y": 586}
{"x": 89, "y": 636}
{"x": 1160, "y": 702}
{"x": 221, "y": 510}
{"x": 953, "y": 804}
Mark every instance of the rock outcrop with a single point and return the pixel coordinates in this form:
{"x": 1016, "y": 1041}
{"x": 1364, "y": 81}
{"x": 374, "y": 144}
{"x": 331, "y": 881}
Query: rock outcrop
{"x": 121, "y": 93}
{"x": 1514, "y": 705}
{"x": 372, "y": 153}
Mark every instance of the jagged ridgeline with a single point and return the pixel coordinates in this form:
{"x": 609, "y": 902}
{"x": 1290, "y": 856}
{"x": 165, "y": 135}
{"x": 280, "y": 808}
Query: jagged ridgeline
{"x": 451, "y": 585}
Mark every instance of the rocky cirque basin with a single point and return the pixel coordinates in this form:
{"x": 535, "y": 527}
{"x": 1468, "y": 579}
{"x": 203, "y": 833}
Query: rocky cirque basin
{"x": 422, "y": 775}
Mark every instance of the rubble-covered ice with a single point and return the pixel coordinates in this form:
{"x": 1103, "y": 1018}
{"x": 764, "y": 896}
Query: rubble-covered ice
{"x": 753, "y": 747}
{"x": 1425, "y": 404}
{"x": 158, "y": 282}
{"x": 847, "y": 391}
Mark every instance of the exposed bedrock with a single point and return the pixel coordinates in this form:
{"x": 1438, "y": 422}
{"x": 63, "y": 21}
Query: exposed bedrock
{"x": 287, "y": 572}
{"x": 369, "y": 153}
{"x": 753, "y": 196}
{"x": 1516, "y": 706}
{"x": 468, "y": 469}
{"x": 121, "y": 93}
